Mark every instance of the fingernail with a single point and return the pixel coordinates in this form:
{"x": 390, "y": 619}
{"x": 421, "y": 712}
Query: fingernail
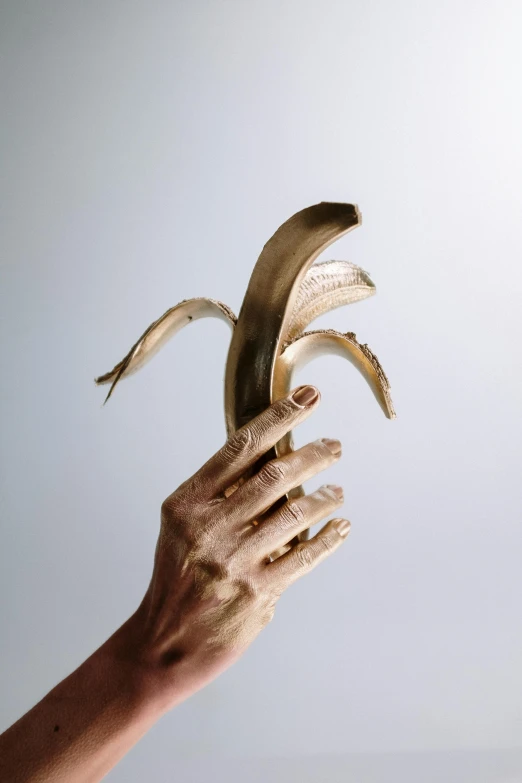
{"x": 305, "y": 395}
{"x": 337, "y": 489}
{"x": 333, "y": 445}
{"x": 342, "y": 526}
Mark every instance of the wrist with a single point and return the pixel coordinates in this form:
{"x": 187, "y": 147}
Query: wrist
{"x": 156, "y": 683}
{"x": 88, "y": 721}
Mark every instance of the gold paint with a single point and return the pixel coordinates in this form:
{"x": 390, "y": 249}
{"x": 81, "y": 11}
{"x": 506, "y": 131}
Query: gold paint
{"x": 285, "y": 293}
{"x": 234, "y": 620}
{"x": 326, "y": 286}
{"x": 268, "y": 305}
{"x": 307, "y": 346}
{"x": 159, "y": 332}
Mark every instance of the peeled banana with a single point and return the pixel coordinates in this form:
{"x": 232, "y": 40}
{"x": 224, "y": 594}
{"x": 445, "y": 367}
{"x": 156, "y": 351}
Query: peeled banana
{"x": 286, "y": 292}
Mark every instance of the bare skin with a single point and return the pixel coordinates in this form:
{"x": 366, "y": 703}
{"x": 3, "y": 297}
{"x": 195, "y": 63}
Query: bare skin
{"x": 214, "y": 587}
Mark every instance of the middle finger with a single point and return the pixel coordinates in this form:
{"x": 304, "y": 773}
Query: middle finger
{"x": 277, "y": 477}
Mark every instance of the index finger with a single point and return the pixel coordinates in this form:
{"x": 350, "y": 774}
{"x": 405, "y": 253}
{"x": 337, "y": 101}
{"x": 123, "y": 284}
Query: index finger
{"x": 253, "y": 440}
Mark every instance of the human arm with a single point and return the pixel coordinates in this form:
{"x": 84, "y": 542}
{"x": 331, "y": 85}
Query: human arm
{"x": 213, "y": 588}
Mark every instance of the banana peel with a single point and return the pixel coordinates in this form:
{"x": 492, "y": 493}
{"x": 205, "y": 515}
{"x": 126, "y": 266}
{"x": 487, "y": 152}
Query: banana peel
{"x": 286, "y": 292}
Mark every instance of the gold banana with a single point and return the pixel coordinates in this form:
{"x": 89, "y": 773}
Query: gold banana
{"x": 285, "y": 293}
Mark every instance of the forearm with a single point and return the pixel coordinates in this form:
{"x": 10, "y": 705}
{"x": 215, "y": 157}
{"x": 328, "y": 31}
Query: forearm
{"x": 214, "y": 587}
{"x": 84, "y": 725}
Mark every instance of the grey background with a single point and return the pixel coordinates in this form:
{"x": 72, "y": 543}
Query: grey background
{"x": 149, "y": 150}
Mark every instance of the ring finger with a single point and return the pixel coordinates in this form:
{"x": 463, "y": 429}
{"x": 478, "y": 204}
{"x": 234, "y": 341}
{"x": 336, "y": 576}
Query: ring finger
{"x": 293, "y": 517}
{"x": 277, "y": 477}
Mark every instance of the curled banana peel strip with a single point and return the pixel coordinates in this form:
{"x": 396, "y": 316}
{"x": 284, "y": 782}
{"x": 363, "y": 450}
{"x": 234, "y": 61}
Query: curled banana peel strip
{"x": 159, "y": 332}
{"x": 285, "y": 293}
{"x": 308, "y": 346}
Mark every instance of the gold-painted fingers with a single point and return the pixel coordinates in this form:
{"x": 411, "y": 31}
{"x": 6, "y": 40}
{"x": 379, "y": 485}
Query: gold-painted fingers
{"x": 250, "y": 442}
{"x": 304, "y": 556}
{"x": 277, "y": 477}
{"x": 296, "y": 515}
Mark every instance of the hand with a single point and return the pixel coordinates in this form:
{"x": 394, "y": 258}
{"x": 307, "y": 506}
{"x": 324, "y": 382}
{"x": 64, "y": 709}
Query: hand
{"x": 214, "y": 585}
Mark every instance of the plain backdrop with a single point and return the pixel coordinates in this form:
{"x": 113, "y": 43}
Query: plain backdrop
{"x": 149, "y": 150}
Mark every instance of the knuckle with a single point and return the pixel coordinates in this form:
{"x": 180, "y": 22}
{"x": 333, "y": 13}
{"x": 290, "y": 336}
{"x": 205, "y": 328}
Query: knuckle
{"x": 291, "y": 513}
{"x": 174, "y": 507}
{"x": 327, "y": 543}
{"x": 179, "y": 523}
{"x": 272, "y": 472}
{"x": 170, "y": 507}
{"x": 285, "y": 409}
{"x": 278, "y": 413}
{"x": 319, "y": 450}
{"x": 304, "y": 556}
{"x": 238, "y": 444}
